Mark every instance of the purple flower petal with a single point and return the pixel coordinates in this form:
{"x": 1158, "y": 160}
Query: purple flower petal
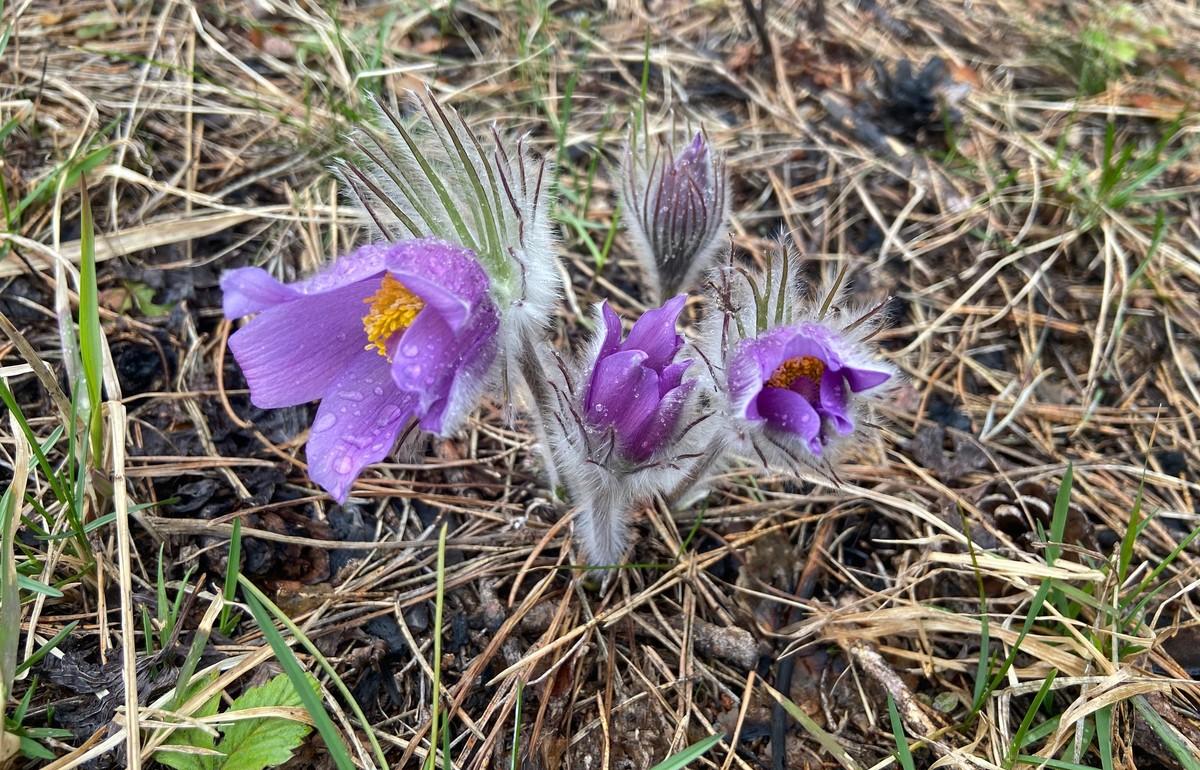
{"x": 788, "y": 411}
{"x": 657, "y": 430}
{"x": 865, "y": 379}
{"x": 834, "y": 400}
{"x": 357, "y": 423}
{"x": 612, "y": 384}
{"x": 251, "y": 290}
{"x": 612, "y": 331}
{"x": 362, "y": 263}
{"x": 446, "y": 277}
{"x": 672, "y": 375}
{"x": 802, "y": 345}
{"x": 290, "y": 353}
{"x": 424, "y": 358}
{"x": 454, "y": 270}
{"x": 695, "y": 153}
{"x": 452, "y": 309}
{"x": 655, "y": 333}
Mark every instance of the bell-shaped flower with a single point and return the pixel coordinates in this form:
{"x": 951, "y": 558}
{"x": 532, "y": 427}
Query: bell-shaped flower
{"x": 793, "y": 380}
{"x": 620, "y": 423}
{"x": 636, "y": 388}
{"x": 385, "y": 336}
{"x": 429, "y": 175}
{"x": 676, "y": 209}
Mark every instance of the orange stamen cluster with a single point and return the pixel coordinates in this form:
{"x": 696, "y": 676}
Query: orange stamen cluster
{"x": 393, "y": 309}
{"x": 809, "y": 367}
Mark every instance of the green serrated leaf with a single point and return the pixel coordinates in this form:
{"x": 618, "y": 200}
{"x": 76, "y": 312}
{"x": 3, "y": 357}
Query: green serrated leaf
{"x": 192, "y": 737}
{"x": 254, "y": 744}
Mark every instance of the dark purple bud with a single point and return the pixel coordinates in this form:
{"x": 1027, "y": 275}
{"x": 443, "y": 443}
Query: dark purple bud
{"x": 676, "y": 209}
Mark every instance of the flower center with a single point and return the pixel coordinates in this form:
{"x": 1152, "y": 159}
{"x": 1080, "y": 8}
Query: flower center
{"x": 809, "y": 367}
{"x": 393, "y": 309}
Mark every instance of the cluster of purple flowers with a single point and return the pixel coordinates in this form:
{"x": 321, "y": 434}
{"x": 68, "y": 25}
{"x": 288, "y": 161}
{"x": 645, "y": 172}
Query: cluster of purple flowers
{"x": 405, "y": 336}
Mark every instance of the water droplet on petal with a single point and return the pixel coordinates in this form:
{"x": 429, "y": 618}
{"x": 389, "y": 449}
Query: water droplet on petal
{"x": 344, "y": 464}
{"x": 351, "y": 395}
{"x": 324, "y": 422}
{"x": 378, "y": 390}
{"x": 387, "y": 415}
{"x": 411, "y": 351}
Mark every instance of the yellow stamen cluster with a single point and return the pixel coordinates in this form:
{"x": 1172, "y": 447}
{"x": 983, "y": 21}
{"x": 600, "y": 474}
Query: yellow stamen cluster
{"x": 809, "y": 367}
{"x": 393, "y": 309}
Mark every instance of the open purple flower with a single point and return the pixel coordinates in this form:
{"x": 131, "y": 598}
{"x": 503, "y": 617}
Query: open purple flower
{"x": 386, "y": 335}
{"x": 676, "y": 210}
{"x": 793, "y": 379}
{"x": 793, "y": 376}
{"x": 636, "y": 386}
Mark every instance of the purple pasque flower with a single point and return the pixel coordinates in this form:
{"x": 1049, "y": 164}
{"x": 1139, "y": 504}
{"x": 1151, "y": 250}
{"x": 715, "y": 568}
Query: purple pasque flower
{"x": 386, "y": 335}
{"x": 616, "y": 424}
{"x": 636, "y": 387}
{"x": 676, "y": 210}
{"x": 795, "y": 380}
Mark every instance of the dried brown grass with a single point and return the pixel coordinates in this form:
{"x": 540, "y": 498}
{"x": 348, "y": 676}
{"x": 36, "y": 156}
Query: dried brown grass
{"x": 1032, "y": 335}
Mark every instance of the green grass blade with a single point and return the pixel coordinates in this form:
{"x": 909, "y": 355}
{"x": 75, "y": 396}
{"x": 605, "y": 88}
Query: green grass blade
{"x": 515, "y": 761}
{"x": 38, "y": 587}
{"x": 90, "y": 339}
{"x": 1170, "y": 737}
{"x": 685, "y": 757}
{"x": 984, "y": 665}
{"x": 1166, "y": 562}
{"x": 902, "y": 750}
{"x": 8, "y": 30}
{"x": 249, "y": 589}
{"x": 827, "y": 741}
{"x": 232, "y": 566}
{"x": 1132, "y": 530}
{"x": 10, "y": 597}
{"x": 1104, "y": 737}
{"x": 1027, "y": 721}
{"x": 39, "y": 452}
{"x": 338, "y": 751}
{"x": 1053, "y": 764}
{"x": 439, "y": 602}
{"x": 42, "y": 651}
{"x": 1035, "y": 611}
{"x": 1058, "y": 522}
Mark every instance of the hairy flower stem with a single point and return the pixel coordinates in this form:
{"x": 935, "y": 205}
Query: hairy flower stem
{"x": 533, "y": 376}
{"x": 698, "y": 471}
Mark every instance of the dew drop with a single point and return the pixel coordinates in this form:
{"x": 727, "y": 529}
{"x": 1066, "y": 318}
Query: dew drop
{"x": 387, "y": 415}
{"x": 411, "y": 351}
{"x": 351, "y": 395}
{"x": 378, "y": 390}
{"x": 324, "y": 422}
{"x": 344, "y": 464}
